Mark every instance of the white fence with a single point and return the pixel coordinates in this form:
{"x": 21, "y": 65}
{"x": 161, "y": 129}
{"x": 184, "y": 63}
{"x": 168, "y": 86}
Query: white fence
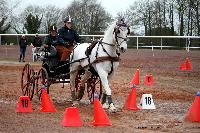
{"x": 161, "y": 46}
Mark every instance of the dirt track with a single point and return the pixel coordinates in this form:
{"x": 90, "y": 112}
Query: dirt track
{"x": 173, "y": 94}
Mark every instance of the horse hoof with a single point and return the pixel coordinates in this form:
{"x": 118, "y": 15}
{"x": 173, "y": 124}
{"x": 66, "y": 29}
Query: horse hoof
{"x": 112, "y": 108}
{"x": 75, "y": 104}
{"x": 105, "y": 106}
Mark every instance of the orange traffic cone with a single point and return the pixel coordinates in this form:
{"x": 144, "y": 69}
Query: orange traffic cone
{"x": 100, "y": 116}
{"x": 47, "y": 105}
{"x": 187, "y": 64}
{"x": 24, "y": 104}
{"x": 148, "y": 80}
{"x": 131, "y": 103}
{"x": 194, "y": 111}
{"x": 135, "y": 80}
{"x": 71, "y": 118}
{"x": 182, "y": 66}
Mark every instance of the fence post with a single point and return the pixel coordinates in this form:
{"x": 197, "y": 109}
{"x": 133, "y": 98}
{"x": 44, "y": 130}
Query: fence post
{"x": 0, "y": 39}
{"x": 186, "y": 44}
{"x": 152, "y": 48}
{"x": 137, "y": 43}
{"x": 188, "y": 49}
{"x": 161, "y": 43}
{"x": 17, "y": 40}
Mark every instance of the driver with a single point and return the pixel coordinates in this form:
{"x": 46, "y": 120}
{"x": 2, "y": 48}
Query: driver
{"x": 51, "y": 40}
{"x": 69, "y": 35}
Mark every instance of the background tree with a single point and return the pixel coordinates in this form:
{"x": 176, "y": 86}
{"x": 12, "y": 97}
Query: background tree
{"x": 88, "y": 15}
{"x": 32, "y": 24}
{"x": 19, "y": 20}
{"x": 5, "y": 20}
{"x": 4, "y": 17}
{"x": 181, "y": 10}
{"x": 171, "y": 16}
{"x": 145, "y": 16}
{"x": 197, "y": 9}
{"x": 52, "y": 15}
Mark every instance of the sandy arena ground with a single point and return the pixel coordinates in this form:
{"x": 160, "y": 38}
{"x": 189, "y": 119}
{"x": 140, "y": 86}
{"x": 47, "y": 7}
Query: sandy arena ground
{"x": 173, "y": 94}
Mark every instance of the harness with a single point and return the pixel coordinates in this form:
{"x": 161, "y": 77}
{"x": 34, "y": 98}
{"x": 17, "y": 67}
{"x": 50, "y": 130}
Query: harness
{"x": 108, "y": 57}
{"x": 98, "y": 59}
{"x": 105, "y": 58}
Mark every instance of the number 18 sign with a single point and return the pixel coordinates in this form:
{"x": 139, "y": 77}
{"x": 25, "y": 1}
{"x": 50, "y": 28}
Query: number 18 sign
{"x": 24, "y": 104}
{"x": 146, "y": 102}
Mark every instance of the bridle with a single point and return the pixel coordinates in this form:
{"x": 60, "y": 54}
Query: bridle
{"x": 117, "y": 31}
{"x": 117, "y": 44}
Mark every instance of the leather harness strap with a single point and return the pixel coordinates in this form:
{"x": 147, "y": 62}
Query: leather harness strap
{"x": 106, "y": 58}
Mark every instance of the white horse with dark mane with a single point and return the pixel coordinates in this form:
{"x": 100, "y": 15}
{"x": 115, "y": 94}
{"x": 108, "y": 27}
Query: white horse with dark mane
{"x": 104, "y": 58}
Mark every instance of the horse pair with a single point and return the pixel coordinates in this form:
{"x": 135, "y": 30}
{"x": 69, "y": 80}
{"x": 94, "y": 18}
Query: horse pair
{"x": 104, "y": 58}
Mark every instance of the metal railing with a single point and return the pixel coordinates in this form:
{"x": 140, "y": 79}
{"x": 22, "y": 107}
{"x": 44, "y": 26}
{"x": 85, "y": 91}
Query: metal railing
{"x": 161, "y": 46}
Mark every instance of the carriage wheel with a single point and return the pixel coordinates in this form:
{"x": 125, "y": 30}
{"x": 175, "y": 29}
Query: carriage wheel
{"x": 94, "y": 86}
{"x": 28, "y": 81}
{"x": 42, "y": 81}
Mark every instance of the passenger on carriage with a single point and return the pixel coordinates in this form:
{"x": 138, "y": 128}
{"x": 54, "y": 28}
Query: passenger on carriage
{"x": 70, "y": 36}
{"x": 51, "y": 40}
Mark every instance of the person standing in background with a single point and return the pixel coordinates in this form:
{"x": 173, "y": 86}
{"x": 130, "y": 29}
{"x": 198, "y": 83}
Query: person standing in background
{"x": 22, "y": 45}
{"x": 37, "y": 42}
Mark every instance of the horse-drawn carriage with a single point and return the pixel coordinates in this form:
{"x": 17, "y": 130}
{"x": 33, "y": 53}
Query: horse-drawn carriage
{"x": 52, "y": 72}
{"x": 83, "y": 71}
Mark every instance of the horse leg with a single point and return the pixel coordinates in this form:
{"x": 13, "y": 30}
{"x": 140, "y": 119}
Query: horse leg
{"x": 104, "y": 97}
{"x": 104, "y": 79}
{"x": 72, "y": 83}
{"x": 85, "y": 77}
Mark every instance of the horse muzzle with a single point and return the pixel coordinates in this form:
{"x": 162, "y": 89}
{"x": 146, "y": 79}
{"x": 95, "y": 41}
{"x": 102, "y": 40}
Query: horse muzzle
{"x": 122, "y": 49}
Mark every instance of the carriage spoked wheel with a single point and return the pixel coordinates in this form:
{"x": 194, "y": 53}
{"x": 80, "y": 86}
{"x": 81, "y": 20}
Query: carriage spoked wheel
{"x": 28, "y": 81}
{"x": 94, "y": 87}
{"x": 42, "y": 81}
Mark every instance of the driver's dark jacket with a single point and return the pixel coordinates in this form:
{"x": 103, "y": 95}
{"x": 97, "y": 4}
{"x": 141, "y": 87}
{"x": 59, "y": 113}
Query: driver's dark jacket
{"x": 68, "y": 35}
{"x": 53, "y": 40}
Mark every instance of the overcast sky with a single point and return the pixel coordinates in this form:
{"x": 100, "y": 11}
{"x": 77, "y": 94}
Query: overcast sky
{"x": 112, "y": 6}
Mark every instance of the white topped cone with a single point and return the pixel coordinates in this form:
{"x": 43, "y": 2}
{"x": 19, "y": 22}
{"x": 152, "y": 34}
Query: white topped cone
{"x": 146, "y": 102}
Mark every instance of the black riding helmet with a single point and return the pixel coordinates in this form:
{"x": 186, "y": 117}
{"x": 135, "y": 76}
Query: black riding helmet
{"x": 53, "y": 28}
{"x": 68, "y": 20}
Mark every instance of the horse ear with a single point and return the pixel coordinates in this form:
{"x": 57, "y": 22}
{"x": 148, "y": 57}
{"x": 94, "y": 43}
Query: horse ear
{"x": 128, "y": 30}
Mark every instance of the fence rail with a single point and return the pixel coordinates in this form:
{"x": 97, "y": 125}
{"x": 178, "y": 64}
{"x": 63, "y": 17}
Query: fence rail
{"x": 161, "y": 46}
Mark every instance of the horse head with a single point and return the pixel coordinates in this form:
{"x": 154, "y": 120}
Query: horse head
{"x": 120, "y": 33}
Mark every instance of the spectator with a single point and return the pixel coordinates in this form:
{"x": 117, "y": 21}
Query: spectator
{"x": 22, "y": 44}
{"x": 37, "y": 42}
